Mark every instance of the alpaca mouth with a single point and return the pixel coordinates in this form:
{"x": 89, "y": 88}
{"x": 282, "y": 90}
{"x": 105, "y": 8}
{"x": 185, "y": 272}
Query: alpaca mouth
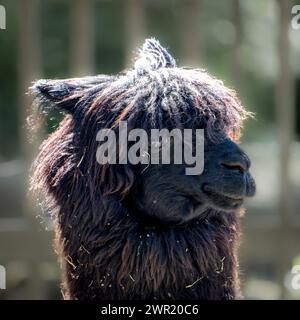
{"x": 222, "y": 200}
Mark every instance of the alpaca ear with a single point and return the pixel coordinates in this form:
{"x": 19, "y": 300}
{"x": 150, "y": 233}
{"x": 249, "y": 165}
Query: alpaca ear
{"x": 59, "y": 94}
{"x": 64, "y": 94}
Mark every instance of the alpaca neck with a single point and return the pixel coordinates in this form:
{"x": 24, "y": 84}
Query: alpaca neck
{"x": 120, "y": 259}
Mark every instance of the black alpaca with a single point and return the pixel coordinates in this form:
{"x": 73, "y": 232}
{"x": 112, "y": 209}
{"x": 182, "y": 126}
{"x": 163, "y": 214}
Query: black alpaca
{"x": 136, "y": 232}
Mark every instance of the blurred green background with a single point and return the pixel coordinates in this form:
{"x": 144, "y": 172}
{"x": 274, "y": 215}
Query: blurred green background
{"x": 250, "y": 44}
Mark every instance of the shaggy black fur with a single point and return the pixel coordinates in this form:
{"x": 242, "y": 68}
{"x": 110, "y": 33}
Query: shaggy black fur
{"x": 130, "y": 232}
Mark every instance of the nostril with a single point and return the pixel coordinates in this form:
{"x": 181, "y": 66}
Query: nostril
{"x": 234, "y": 166}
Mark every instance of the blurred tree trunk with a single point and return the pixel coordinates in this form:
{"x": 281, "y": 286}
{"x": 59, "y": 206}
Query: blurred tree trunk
{"x": 285, "y": 124}
{"x": 82, "y": 50}
{"x": 29, "y": 68}
{"x": 285, "y": 109}
{"x": 237, "y": 22}
{"x": 29, "y": 63}
{"x": 190, "y": 32}
{"x": 134, "y": 28}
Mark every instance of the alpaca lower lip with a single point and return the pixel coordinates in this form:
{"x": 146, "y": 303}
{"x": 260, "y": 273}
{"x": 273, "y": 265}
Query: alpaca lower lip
{"x": 212, "y": 193}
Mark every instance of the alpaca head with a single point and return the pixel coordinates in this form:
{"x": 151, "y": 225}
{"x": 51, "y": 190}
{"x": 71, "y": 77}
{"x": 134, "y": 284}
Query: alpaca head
{"x": 154, "y": 94}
